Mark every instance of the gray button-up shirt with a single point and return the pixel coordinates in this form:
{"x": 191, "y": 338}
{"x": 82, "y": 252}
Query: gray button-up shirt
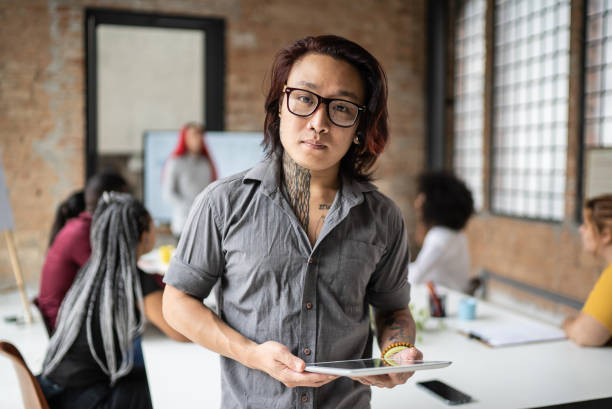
{"x": 275, "y": 286}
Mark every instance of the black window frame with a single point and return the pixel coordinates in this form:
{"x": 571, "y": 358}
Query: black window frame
{"x": 214, "y": 63}
{"x": 491, "y": 136}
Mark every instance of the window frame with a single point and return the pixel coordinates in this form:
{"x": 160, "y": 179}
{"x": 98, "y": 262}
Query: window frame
{"x": 574, "y": 172}
{"x": 214, "y": 66}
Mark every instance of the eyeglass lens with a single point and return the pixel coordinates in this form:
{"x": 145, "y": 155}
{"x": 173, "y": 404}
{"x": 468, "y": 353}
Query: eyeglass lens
{"x": 304, "y": 103}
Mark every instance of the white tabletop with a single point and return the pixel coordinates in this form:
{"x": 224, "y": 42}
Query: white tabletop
{"x": 152, "y": 263}
{"x": 518, "y": 376}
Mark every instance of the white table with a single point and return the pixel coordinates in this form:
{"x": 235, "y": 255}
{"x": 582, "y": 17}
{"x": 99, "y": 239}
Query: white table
{"x": 519, "y": 376}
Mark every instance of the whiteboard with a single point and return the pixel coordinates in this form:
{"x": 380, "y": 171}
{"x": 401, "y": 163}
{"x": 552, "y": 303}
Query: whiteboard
{"x": 6, "y": 214}
{"x": 598, "y": 171}
{"x": 232, "y": 152}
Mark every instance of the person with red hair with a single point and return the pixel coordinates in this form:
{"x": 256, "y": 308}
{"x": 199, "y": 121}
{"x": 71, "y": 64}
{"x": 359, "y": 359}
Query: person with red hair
{"x": 188, "y": 171}
{"x": 301, "y": 244}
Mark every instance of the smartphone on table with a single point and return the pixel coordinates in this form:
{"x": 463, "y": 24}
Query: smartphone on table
{"x": 447, "y": 393}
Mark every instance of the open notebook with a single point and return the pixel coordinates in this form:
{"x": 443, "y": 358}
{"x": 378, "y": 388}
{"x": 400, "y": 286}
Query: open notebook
{"x": 513, "y": 333}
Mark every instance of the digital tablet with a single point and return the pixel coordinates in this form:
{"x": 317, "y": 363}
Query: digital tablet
{"x": 372, "y": 366}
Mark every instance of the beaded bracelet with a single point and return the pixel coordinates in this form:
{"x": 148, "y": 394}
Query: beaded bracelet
{"x": 394, "y": 348}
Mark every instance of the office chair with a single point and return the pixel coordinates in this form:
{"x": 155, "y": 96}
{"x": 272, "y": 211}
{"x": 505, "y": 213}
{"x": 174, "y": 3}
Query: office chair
{"x": 32, "y": 394}
{"x": 473, "y": 285}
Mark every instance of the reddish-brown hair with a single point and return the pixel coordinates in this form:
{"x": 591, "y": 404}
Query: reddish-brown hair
{"x": 598, "y": 212}
{"x": 372, "y": 129}
{"x": 181, "y": 147}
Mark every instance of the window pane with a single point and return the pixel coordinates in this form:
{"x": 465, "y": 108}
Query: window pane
{"x": 469, "y": 95}
{"x": 529, "y": 173}
{"x": 598, "y": 76}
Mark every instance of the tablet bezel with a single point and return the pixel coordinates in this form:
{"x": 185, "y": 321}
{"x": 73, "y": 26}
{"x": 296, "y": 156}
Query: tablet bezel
{"x": 373, "y": 370}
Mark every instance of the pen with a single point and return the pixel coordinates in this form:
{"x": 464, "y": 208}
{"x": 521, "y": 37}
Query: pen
{"x": 474, "y": 336}
{"x": 435, "y": 298}
{"x": 478, "y": 338}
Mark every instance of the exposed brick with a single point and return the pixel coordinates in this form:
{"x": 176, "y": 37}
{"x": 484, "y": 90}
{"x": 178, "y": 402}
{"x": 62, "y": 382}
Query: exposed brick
{"x": 42, "y": 94}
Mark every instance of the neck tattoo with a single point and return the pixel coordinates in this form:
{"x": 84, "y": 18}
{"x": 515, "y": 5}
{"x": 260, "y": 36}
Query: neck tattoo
{"x": 297, "y": 182}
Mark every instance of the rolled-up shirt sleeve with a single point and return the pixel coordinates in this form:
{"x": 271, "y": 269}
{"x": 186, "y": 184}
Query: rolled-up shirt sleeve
{"x": 198, "y": 262}
{"x": 388, "y": 289}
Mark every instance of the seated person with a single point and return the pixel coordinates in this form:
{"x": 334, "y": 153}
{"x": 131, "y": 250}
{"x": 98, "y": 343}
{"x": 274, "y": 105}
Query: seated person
{"x": 71, "y": 249}
{"x": 68, "y": 209}
{"x": 593, "y": 326}
{"x": 443, "y": 206}
{"x": 90, "y": 360}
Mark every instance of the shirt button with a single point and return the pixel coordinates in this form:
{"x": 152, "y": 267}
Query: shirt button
{"x": 304, "y": 398}
{"x": 307, "y": 351}
{"x": 308, "y": 305}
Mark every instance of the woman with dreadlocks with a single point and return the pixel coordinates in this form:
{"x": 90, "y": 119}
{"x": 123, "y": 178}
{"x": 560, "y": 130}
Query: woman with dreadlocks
{"x": 593, "y": 326}
{"x": 90, "y": 358}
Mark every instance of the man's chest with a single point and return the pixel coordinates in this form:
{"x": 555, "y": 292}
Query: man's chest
{"x": 317, "y": 212}
{"x": 273, "y": 256}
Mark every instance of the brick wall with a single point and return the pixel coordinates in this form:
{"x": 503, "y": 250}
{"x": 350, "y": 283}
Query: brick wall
{"x": 545, "y": 255}
{"x": 42, "y": 95}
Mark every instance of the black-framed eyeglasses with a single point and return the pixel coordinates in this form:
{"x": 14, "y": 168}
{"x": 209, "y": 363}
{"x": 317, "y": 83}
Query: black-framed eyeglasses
{"x": 340, "y": 112}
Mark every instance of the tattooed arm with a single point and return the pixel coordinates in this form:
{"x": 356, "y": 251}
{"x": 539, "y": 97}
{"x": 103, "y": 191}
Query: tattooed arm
{"x": 391, "y": 327}
{"x": 394, "y": 326}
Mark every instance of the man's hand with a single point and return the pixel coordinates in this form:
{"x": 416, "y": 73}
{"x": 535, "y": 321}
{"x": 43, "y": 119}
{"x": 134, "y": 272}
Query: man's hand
{"x": 277, "y": 361}
{"x": 393, "y": 379}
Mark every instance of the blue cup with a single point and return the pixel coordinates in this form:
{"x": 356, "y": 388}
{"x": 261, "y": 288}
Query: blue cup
{"x": 467, "y": 309}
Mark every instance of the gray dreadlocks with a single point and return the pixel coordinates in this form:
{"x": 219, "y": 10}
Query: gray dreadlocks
{"x": 108, "y": 284}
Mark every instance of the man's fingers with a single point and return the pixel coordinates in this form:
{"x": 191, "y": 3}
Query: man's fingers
{"x": 416, "y": 353}
{"x": 364, "y": 381}
{"x": 292, "y": 379}
{"x": 381, "y": 381}
{"x": 288, "y": 368}
{"x": 408, "y": 354}
{"x": 400, "y": 378}
{"x": 291, "y": 361}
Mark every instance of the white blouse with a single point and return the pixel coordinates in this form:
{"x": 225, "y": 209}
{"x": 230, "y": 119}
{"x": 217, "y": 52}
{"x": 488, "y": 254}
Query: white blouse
{"x": 443, "y": 259}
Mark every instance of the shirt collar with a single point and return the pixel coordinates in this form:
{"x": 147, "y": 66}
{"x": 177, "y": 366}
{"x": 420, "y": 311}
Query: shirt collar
{"x": 268, "y": 173}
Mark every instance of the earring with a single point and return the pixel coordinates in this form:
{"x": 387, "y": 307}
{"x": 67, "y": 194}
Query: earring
{"x": 356, "y": 140}
{"x": 279, "y": 115}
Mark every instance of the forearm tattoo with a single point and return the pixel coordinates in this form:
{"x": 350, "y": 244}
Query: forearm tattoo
{"x": 297, "y": 183}
{"x": 397, "y": 328}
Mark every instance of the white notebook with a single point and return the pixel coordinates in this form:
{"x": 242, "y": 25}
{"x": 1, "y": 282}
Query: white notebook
{"x": 513, "y": 333}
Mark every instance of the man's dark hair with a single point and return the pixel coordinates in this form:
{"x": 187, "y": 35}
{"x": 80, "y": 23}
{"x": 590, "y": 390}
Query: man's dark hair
{"x": 448, "y": 201}
{"x": 106, "y": 181}
{"x": 372, "y": 126}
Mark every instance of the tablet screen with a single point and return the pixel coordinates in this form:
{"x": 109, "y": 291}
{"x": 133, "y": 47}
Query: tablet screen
{"x": 372, "y": 366}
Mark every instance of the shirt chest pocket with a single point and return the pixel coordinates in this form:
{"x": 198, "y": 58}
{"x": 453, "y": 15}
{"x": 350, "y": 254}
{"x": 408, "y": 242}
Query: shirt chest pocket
{"x": 357, "y": 263}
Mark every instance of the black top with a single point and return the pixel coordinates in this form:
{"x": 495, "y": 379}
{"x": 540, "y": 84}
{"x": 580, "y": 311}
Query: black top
{"x": 78, "y": 368}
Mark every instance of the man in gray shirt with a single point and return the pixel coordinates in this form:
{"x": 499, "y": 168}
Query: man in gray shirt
{"x": 302, "y": 243}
